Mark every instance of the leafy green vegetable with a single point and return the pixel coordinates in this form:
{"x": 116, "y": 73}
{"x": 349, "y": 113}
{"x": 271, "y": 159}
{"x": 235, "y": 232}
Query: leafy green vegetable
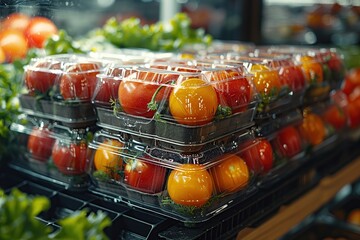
{"x": 168, "y": 36}
{"x": 18, "y": 220}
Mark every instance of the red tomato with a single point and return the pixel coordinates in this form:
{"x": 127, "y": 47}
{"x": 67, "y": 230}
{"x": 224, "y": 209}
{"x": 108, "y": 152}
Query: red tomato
{"x": 106, "y": 90}
{"x": 17, "y": 21}
{"x": 352, "y": 110}
{"x": 230, "y": 175}
{"x": 293, "y": 77}
{"x": 353, "y": 76}
{"x": 233, "y": 90}
{"x": 41, "y": 77}
{"x": 335, "y": 116}
{"x": 144, "y": 176}
{"x": 288, "y": 142}
{"x": 259, "y": 155}
{"x": 40, "y": 143}
{"x": 79, "y": 81}
{"x": 39, "y": 30}
{"x": 70, "y": 159}
{"x": 135, "y": 95}
{"x": 13, "y": 43}
{"x": 348, "y": 86}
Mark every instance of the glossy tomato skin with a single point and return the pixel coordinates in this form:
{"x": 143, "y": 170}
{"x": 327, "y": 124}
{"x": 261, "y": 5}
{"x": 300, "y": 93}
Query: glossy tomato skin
{"x": 106, "y": 90}
{"x": 312, "y": 129}
{"x": 313, "y": 69}
{"x": 190, "y": 185}
{"x": 353, "y": 114}
{"x": 335, "y": 116}
{"x": 135, "y": 95}
{"x": 288, "y": 142}
{"x": 293, "y": 77}
{"x": 39, "y": 30}
{"x": 40, "y": 143}
{"x": 70, "y": 158}
{"x": 78, "y": 82}
{"x": 230, "y": 175}
{"x": 193, "y": 102}
{"x": 107, "y": 158}
{"x": 17, "y": 21}
{"x": 144, "y": 176}
{"x": 266, "y": 81}
{"x": 13, "y": 44}
{"x": 41, "y": 77}
{"x": 259, "y": 155}
{"x": 233, "y": 90}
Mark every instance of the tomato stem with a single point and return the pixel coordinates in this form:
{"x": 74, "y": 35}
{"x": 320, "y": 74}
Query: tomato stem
{"x": 152, "y": 105}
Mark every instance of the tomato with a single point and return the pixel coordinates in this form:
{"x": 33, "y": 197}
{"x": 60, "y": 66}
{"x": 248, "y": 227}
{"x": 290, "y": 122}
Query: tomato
{"x": 230, "y": 175}
{"x": 259, "y": 155}
{"x": 335, "y": 116}
{"x": 144, "y": 176}
{"x": 13, "y": 43}
{"x": 70, "y": 158}
{"x": 353, "y": 76}
{"x": 266, "y": 81}
{"x": 40, "y": 143}
{"x": 2, "y": 56}
{"x": 39, "y": 30}
{"x": 293, "y": 77}
{"x": 17, "y": 21}
{"x": 233, "y": 90}
{"x": 354, "y": 216}
{"x": 288, "y": 142}
{"x": 347, "y": 86}
{"x": 352, "y": 111}
{"x": 313, "y": 70}
{"x": 107, "y": 158}
{"x": 193, "y": 102}
{"x": 190, "y": 185}
{"x": 312, "y": 129}
{"x": 40, "y": 77}
{"x": 135, "y": 95}
{"x": 78, "y": 82}
{"x": 106, "y": 90}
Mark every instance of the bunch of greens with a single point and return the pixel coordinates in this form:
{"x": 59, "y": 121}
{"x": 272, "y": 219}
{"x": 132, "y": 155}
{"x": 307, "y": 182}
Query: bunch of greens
{"x": 18, "y": 220}
{"x": 161, "y": 36}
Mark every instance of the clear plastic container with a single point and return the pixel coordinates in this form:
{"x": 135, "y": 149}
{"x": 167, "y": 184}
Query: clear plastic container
{"x": 64, "y": 77}
{"x": 183, "y": 105}
{"x": 52, "y": 152}
{"x": 187, "y": 187}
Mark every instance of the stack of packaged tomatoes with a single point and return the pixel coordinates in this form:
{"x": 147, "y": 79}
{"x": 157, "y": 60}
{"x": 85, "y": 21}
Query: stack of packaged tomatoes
{"x": 58, "y": 118}
{"x": 188, "y": 135}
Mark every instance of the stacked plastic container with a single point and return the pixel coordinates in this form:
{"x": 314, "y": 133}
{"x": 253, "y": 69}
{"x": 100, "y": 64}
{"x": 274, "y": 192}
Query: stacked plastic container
{"x": 58, "y": 119}
{"x": 172, "y": 136}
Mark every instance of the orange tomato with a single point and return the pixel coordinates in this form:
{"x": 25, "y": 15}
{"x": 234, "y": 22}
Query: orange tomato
{"x": 193, "y": 102}
{"x": 13, "y": 43}
{"x": 16, "y": 21}
{"x": 312, "y": 69}
{"x": 230, "y": 175}
{"x": 266, "y": 80}
{"x": 2, "y": 56}
{"x": 312, "y": 129}
{"x": 354, "y": 216}
{"x": 107, "y": 158}
{"x": 190, "y": 185}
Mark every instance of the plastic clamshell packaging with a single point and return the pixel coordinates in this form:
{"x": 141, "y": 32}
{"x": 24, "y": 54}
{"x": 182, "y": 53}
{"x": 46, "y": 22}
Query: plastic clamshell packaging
{"x": 52, "y": 152}
{"x": 279, "y": 81}
{"x": 281, "y": 147}
{"x": 188, "y": 187}
{"x": 182, "y": 105}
